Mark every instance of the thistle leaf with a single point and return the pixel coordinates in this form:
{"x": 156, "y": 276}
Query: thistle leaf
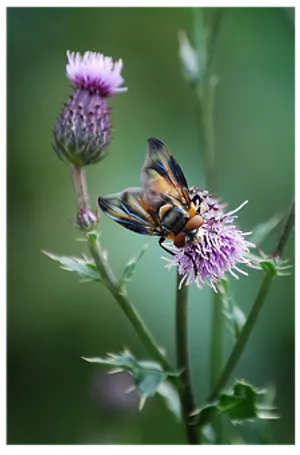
{"x": 243, "y": 403}
{"x": 149, "y": 378}
{"x": 84, "y": 267}
{"x": 171, "y": 398}
{"x": 234, "y": 314}
{"x": 131, "y": 267}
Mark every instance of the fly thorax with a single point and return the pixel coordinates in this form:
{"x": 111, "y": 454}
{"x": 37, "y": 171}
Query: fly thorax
{"x": 173, "y": 218}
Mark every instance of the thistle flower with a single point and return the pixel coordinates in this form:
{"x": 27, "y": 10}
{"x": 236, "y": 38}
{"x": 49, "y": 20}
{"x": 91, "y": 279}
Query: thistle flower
{"x": 83, "y": 130}
{"x": 218, "y": 250}
{"x": 96, "y": 72}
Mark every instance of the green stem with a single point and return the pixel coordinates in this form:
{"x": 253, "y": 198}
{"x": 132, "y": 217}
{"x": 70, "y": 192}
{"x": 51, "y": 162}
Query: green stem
{"x": 244, "y": 335}
{"x": 206, "y": 30}
{"x": 216, "y": 356}
{"x": 205, "y": 96}
{"x": 110, "y": 280}
{"x": 80, "y": 188}
{"x": 209, "y": 148}
{"x": 256, "y": 309}
{"x": 289, "y": 226}
{"x": 186, "y": 393}
{"x": 216, "y": 342}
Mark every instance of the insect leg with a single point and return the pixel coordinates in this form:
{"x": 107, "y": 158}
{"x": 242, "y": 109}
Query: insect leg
{"x": 193, "y": 261}
{"x": 160, "y": 242}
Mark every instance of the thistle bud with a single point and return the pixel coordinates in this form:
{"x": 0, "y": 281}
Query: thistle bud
{"x": 83, "y": 130}
{"x": 87, "y": 220}
{"x": 188, "y": 57}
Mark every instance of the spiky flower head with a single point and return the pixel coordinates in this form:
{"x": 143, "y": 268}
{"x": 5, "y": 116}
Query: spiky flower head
{"x": 96, "y": 72}
{"x": 83, "y": 130}
{"x": 219, "y": 248}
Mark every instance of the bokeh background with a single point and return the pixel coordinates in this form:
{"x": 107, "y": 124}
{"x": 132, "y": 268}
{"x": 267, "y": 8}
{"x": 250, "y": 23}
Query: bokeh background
{"x": 53, "y": 320}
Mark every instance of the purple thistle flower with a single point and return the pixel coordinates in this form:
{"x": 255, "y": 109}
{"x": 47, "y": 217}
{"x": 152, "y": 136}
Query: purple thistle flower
{"x": 95, "y": 71}
{"x": 219, "y": 248}
{"x": 83, "y": 130}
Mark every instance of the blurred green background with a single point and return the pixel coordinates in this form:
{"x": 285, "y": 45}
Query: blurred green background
{"x": 53, "y": 396}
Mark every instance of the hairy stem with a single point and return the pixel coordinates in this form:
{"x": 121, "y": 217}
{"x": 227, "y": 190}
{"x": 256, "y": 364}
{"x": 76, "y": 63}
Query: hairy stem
{"x": 182, "y": 352}
{"x": 255, "y": 311}
{"x": 110, "y": 280}
{"x": 80, "y": 188}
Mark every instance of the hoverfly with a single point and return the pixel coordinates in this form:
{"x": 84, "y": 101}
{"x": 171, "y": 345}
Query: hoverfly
{"x": 164, "y": 206}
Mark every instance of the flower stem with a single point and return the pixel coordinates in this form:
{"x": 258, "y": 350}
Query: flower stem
{"x": 206, "y": 29}
{"x": 205, "y": 34}
{"x": 186, "y": 393}
{"x": 110, "y": 280}
{"x": 289, "y": 226}
{"x": 80, "y": 188}
{"x": 216, "y": 341}
{"x": 255, "y": 311}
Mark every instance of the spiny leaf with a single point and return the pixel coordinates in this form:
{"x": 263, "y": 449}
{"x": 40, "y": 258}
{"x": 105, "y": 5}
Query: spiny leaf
{"x": 273, "y": 265}
{"x": 149, "y": 378}
{"x": 231, "y": 310}
{"x": 84, "y": 267}
{"x": 240, "y": 404}
{"x": 131, "y": 267}
{"x": 262, "y": 230}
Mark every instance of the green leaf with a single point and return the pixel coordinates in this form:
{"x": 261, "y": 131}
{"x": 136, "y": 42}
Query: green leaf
{"x": 207, "y": 413}
{"x": 171, "y": 398}
{"x": 84, "y": 267}
{"x": 269, "y": 267}
{"x": 240, "y": 405}
{"x": 131, "y": 267}
{"x": 273, "y": 265}
{"x": 234, "y": 314}
{"x": 243, "y": 403}
{"x": 149, "y": 377}
{"x": 262, "y": 230}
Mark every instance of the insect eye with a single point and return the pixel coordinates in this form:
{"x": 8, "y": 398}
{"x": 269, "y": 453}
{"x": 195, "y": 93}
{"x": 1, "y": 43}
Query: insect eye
{"x": 180, "y": 240}
{"x": 194, "y": 223}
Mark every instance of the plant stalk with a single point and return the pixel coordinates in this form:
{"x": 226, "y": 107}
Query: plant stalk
{"x": 256, "y": 309}
{"x": 182, "y": 352}
{"x": 206, "y": 29}
{"x": 289, "y": 226}
{"x": 205, "y": 99}
{"x": 110, "y": 280}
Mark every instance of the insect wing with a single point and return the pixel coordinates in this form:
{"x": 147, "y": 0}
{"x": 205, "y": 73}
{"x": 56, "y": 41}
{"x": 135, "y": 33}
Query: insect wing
{"x": 129, "y": 209}
{"x": 162, "y": 174}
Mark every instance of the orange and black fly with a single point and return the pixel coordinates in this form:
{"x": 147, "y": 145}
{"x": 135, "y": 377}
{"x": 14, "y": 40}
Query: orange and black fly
{"x": 163, "y": 206}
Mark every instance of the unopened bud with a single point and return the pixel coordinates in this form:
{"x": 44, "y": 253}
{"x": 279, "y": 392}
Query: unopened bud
{"x": 82, "y": 131}
{"x": 188, "y": 57}
{"x": 87, "y": 220}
